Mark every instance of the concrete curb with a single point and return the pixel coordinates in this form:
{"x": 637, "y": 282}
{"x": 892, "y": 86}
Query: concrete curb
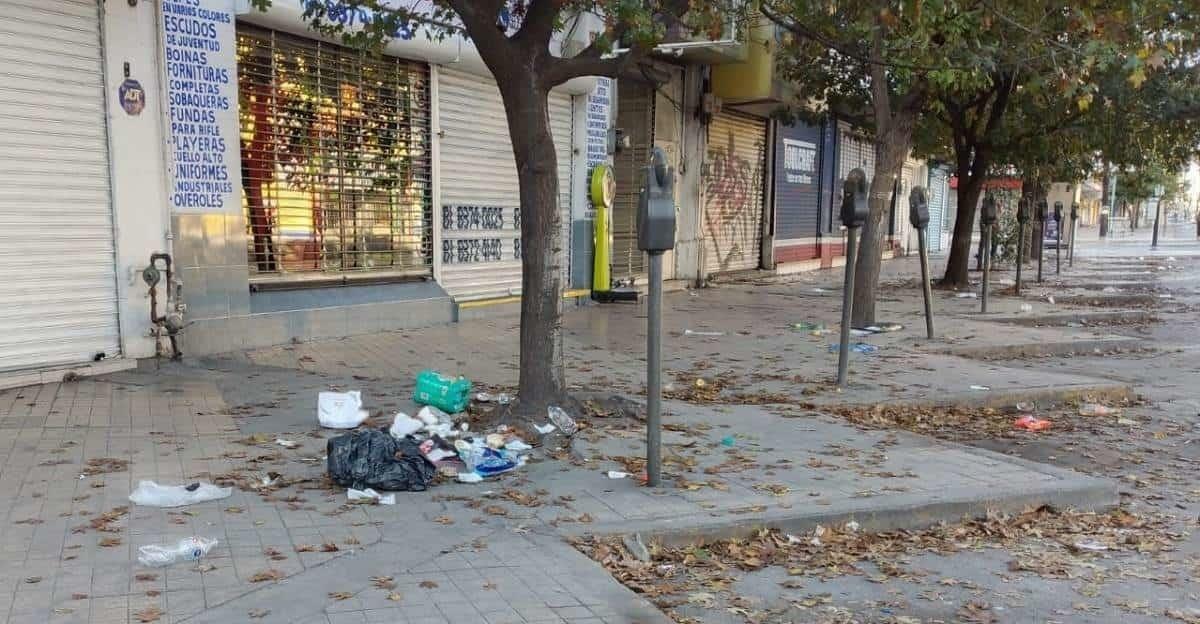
{"x": 1005, "y": 398}
{"x": 1049, "y": 349}
{"x": 1082, "y": 317}
{"x": 1110, "y": 299}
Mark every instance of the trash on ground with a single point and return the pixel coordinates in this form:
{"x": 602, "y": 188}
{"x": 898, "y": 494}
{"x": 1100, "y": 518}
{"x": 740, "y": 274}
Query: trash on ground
{"x": 806, "y": 326}
{"x": 369, "y": 494}
{"x": 977, "y": 387}
{"x": 1031, "y": 423}
{"x": 1126, "y": 421}
{"x": 1090, "y": 545}
{"x": 1096, "y": 409}
{"x": 728, "y": 441}
{"x": 405, "y": 425}
{"x": 340, "y": 410}
{"x": 559, "y": 418}
{"x": 186, "y": 549}
{"x": 1166, "y": 296}
{"x": 883, "y": 328}
{"x": 1050, "y": 299}
{"x": 374, "y": 459}
{"x": 151, "y": 494}
{"x": 689, "y": 332}
{"x": 1025, "y": 307}
{"x": 291, "y": 444}
{"x": 486, "y": 397}
{"x": 617, "y": 474}
{"x": 450, "y": 394}
{"x": 857, "y": 347}
{"x": 436, "y": 422}
{"x": 469, "y": 477}
{"x": 1025, "y": 407}
{"x": 544, "y": 429}
{"x": 517, "y": 445}
{"x": 860, "y": 332}
{"x": 1111, "y": 289}
{"x": 966, "y": 295}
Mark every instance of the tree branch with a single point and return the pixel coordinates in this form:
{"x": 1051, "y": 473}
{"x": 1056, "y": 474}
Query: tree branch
{"x": 538, "y": 25}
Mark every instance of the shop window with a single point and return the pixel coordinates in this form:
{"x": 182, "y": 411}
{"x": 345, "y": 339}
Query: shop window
{"x": 335, "y": 159}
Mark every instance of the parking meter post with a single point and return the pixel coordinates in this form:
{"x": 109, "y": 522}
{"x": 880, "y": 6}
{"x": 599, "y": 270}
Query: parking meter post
{"x": 1042, "y": 214}
{"x": 1022, "y": 219}
{"x": 918, "y": 217}
{"x": 1157, "y": 211}
{"x": 1074, "y": 231}
{"x": 656, "y": 234}
{"x": 1058, "y": 219}
{"x": 987, "y": 220}
{"x": 654, "y": 373}
{"x": 847, "y": 305}
{"x": 853, "y": 214}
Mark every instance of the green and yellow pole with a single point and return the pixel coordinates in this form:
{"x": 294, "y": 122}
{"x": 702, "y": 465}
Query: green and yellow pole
{"x": 602, "y": 189}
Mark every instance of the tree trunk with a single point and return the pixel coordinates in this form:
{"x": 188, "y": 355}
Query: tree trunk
{"x": 892, "y": 150}
{"x": 542, "y": 378}
{"x": 958, "y": 265}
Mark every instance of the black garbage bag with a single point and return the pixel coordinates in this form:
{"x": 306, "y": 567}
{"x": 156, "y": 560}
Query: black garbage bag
{"x": 374, "y": 459}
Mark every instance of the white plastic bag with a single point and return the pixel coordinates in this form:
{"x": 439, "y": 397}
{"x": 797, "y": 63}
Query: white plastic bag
{"x": 404, "y": 425}
{"x": 370, "y": 494}
{"x": 340, "y": 410}
{"x": 151, "y": 494}
{"x": 186, "y": 549}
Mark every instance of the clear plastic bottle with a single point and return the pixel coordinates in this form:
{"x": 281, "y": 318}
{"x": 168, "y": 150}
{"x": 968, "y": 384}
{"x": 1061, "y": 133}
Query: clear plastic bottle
{"x": 186, "y": 549}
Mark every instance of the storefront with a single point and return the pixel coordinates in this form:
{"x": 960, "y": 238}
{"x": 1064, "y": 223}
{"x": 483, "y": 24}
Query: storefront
{"x": 58, "y": 278}
{"x": 798, "y": 189}
{"x": 735, "y": 175}
{"x": 939, "y": 191}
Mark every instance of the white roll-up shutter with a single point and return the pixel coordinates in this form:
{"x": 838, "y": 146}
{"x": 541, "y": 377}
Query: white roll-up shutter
{"x": 854, "y": 150}
{"x": 938, "y": 187}
{"x": 480, "y": 195}
{"x": 58, "y": 298}
{"x": 733, "y": 192}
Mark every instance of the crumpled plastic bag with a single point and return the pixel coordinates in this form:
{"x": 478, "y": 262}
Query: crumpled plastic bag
{"x": 404, "y": 425}
{"x": 151, "y": 494}
{"x": 340, "y": 410}
{"x": 374, "y": 459}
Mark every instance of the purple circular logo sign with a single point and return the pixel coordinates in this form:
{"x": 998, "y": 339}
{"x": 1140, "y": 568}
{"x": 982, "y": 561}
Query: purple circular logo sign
{"x": 132, "y": 96}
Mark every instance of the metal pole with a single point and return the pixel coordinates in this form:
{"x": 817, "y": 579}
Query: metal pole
{"x": 847, "y": 305}
{"x": 1071, "y": 249}
{"x": 654, "y": 373}
{"x": 923, "y": 248}
{"x": 1157, "y": 211}
{"x": 1020, "y": 256}
{"x": 1041, "y": 248}
{"x": 1058, "y": 249}
{"x": 987, "y": 267}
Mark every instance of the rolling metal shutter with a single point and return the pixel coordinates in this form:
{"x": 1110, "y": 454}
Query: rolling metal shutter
{"x": 57, "y": 261}
{"x": 938, "y": 189}
{"x": 635, "y": 116}
{"x": 854, "y": 151}
{"x": 797, "y": 182}
{"x": 733, "y": 198}
{"x": 480, "y": 195}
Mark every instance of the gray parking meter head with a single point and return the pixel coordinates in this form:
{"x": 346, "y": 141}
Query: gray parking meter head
{"x": 1074, "y": 211}
{"x": 1023, "y": 210}
{"x": 1058, "y": 211}
{"x": 656, "y": 205}
{"x": 854, "y": 199}
{"x": 918, "y": 208}
{"x": 987, "y": 214}
{"x": 1043, "y": 210}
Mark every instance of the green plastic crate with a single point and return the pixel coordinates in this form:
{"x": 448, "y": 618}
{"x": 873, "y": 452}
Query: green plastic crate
{"x": 449, "y": 394}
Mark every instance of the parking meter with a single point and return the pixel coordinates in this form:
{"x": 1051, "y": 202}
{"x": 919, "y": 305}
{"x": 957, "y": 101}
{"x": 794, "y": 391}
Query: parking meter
{"x": 1058, "y": 211}
{"x": 1022, "y": 219}
{"x": 987, "y": 218}
{"x": 918, "y": 208}
{"x": 656, "y": 234}
{"x": 988, "y": 210}
{"x": 918, "y": 216}
{"x": 854, "y": 199}
{"x": 1043, "y": 211}
{"x": 1074, "y": 219}
{"x": 1058, "y": 216}
{"x": 1074, "y": 211}
{"x": 1042, "y": 214}
{"x": 1023, "y": 211}
{"x": 656, "y": 206}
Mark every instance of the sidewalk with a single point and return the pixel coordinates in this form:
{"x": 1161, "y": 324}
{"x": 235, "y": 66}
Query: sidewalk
{"x": 763, "y": 450}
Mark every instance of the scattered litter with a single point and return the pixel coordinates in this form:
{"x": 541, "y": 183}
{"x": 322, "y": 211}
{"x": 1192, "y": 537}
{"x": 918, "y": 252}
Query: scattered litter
{"x": 1031, "y": 423}
{"x": 1170, "y": 258}
{"x": 689, "y": 332}
{"x": 853, "y": 526}
{"x": 1091, "y": 545}
{"x": 1096, "y": 409}
{"x": 858, "y": 347}
{"x": 517, "y": 445}
{"x": 1166, "y": 296}
{"x": 450, "y": 394}
{"x": 966, "y": 295}
{"x": 1025, "y": 407}
{"x": 805, "y": 326}
{"x": 883, "y": 328}
{"x": 728, "y": 441}
{"x": 617, "y": 474}
{"x": 186, "y": 549}
{"x": 562, "y": 420}
{"x": 487, "y": 397}
{"x": 291, "y": 444}
{"x": 469, "y": 477}
{"x": 1126, "y": 421}
{"x": 405, "y": 425}
{"x": 151, "y": 494}
{"x": 494, "y": 440}
{"x": 975, "y": 387}
{"x": 819, "y": 290}
{"x": 1025, "y": 307}
{"x": 369, "y": 494}
{"x": 637, "y": 548}
{"x": 1050, "y": 299}
{"x": 340, "y": 410}
{"x": 860, "y": 332}
{"x": 374, "y": 459}
{"x": 544, "y": 429}
{"x": 1111, "y": 289}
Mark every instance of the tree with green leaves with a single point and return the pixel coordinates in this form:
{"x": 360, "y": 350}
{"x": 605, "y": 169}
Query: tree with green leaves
{"x": 514, "y": 40}
{"x": 876, "y": 64}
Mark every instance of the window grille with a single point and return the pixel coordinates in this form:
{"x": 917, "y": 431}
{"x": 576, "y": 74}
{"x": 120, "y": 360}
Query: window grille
{"x": 335, "y": 159}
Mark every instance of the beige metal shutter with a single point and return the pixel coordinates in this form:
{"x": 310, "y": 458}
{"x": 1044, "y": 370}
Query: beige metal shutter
{"x": 480, "y": 195}
{"x": 854, "y": 151}
{"x": 733, "y": 192}
{"x": 58, "y": 297}
{"x": 635, "y": 116}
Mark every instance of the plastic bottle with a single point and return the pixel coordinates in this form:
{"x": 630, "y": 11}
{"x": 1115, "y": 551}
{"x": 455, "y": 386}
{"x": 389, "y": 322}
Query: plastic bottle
{"x": 187, "y": 549}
